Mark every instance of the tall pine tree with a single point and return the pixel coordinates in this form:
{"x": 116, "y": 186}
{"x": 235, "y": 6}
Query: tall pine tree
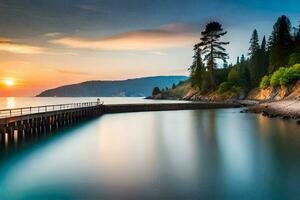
{"x": 280, "y": 44}
{"x": 254, "y": 54}
{"x": 295, "y": 56}
{"x": 254, "y": 44}
{"x": 197, "y": 69}
{"x": 264, "y": 58}
{"x": 213, "y": 49}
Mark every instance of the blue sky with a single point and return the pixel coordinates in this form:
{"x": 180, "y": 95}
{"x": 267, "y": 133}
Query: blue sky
{"x": 76, "y": 40}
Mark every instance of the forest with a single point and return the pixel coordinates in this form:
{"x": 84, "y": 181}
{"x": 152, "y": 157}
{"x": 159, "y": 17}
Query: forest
{"x": 273, "y": 61}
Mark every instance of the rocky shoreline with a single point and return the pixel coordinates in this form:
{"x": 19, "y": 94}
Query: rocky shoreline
{"x": 284, "y": 109}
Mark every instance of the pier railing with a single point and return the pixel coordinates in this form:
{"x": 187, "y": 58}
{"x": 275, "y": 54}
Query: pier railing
{"x": 15, "y": 112}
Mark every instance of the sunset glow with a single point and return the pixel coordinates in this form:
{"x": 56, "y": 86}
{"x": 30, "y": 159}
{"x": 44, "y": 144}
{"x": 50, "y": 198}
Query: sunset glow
{"x": 9, "y": 82}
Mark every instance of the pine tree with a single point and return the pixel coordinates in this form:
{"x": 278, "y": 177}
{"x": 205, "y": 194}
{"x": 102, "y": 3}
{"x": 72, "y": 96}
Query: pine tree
{"x": 242, "y": 59}
{"x": 212, "y": 49}
{"x": 264, "y": 45}
{"x": 156, "y": 91}
{"x": 264, "y": 57}
{"x": 254, "y": 46}
{"x": 254, "y": 54}
{"x": 197, "y": 69}
{"x": 238, "y": 60}
{"x": 173, "y": 86}
{"x": 295, "y": 56}
{"x": 280, "y": 44}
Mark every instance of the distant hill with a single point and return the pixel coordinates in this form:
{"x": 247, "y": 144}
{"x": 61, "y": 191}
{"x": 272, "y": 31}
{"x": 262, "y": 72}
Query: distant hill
{"x": 128, "y": 88}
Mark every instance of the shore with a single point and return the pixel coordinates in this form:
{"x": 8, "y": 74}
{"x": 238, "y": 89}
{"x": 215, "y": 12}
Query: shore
{"x": 285, "y": 109}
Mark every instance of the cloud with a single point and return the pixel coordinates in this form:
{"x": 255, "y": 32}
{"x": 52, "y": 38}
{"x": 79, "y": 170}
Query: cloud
{"x": 70, "y": 72}
{"x": 12, "y": 47}
{"x": 167, "y": 36}
{"x": 52, "y": 34}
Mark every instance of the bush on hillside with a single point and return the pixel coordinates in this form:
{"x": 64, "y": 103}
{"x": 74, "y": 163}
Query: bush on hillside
{"x": 265, "y": 82}
{"x": 275, "y": 78}
{"x": 228, "y": 87}
{"x": 282, "y": 77}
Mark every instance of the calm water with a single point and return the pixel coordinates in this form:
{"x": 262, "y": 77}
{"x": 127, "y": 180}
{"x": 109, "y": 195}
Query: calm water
{"x": 18, "y": 102}
{"x": 204, "y": 154}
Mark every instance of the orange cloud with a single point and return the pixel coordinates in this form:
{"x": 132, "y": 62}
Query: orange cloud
{"x": 168, "y": 36}
{"x": 70, "y": 72}
{"x": 9, "y": 46}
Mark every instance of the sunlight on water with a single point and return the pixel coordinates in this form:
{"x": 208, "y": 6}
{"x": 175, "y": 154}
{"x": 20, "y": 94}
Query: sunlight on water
{"x": 10, "y": 102}
{"x": 18, "y": 102}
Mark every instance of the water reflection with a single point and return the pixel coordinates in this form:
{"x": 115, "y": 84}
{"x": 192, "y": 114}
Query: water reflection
{"x": 10, "y": 102}
{"x": 204, "y": 154}
{"x": 123, "y": 153}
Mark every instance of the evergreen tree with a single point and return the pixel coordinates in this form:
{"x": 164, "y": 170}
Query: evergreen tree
{"x": 297, "y": 37}
{"x": 280, "y": 44}
{"x": 255, "y": 59}
{"x": 254, "y": 46}
{"x": 173, "y": 86}
{"x": 238, "y": 60}
{"x": 264, "y": 59}
{"x": 264, "y": 45}
{"x": 212, "y": 49}
{"x": 197, "y": 69}
{"x": 295, "y": 56}
{"x": 243, "y": 59}
{"x": 156, "y": 91}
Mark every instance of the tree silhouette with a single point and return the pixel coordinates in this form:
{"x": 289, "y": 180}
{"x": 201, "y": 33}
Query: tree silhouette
{"x": 280, "y": 44}
{"x": 242, "y": 59}
{"x": 255, "y": 67}
{"x": 213, "y": 48}
{"x": 197, "y": 69}
{"x": 254, "y": 45}
{"x": 156, "y": 91}
{"x": 173, "y": 86}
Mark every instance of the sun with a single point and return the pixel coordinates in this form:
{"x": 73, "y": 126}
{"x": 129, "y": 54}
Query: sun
{"x": 9, "y": 82}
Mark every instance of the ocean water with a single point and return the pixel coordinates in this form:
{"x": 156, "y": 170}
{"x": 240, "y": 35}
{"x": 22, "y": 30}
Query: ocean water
{"x": 191, "y": 154}
{"x": 18, "y": 102}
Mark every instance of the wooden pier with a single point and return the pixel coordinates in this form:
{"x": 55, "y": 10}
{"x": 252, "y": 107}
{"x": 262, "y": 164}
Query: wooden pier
{"x": 39, "y": 119}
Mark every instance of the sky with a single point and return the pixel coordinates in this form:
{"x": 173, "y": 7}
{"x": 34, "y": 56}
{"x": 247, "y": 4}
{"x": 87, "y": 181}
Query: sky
{"x": 48, "y": 43}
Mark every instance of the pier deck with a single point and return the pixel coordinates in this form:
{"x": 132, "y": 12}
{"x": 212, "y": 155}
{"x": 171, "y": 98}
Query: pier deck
{"x": 47, "y": 118}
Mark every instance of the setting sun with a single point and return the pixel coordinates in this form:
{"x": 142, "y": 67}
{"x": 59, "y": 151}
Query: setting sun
{"x": 9, "y": 82}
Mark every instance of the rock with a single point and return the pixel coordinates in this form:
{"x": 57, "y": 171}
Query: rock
{"x": 265, "y": 113}
{"x": 286, "y": 117}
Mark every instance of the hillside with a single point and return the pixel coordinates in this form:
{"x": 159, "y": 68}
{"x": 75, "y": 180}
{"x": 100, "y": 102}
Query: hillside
{"x": 128, "y": 88}
{"x": 187, "y": 92}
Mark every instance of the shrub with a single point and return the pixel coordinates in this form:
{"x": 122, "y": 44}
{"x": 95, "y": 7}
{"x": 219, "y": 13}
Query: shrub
{"x": 224, "y": 87}
{"x": 288, "y": 76}
{"x": 283, "y": 76}
{"x": 275, "y": 78}
{"x": 235, "y": 89}
{"x": 265, "y": 82}
{"x": 297, "y": 68}
{"x": 228, "y": 87}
